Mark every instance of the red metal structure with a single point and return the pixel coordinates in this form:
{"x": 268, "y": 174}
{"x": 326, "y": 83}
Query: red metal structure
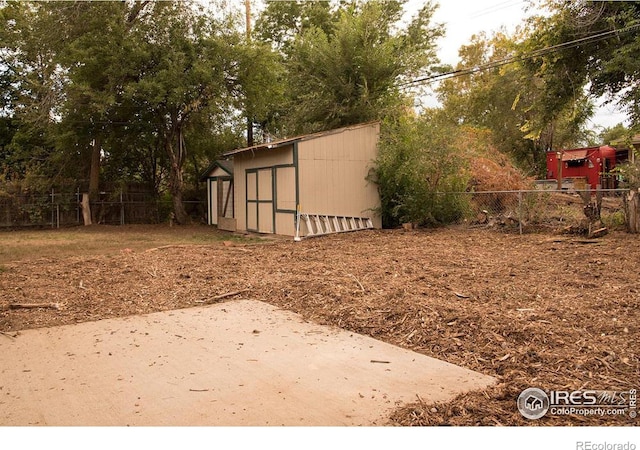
{"x": 585, "y": 166}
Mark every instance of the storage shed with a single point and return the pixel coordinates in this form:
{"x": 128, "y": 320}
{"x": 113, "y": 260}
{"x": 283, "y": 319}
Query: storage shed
{"x": 219, "y": 179}
{"x": 320, "y": 178}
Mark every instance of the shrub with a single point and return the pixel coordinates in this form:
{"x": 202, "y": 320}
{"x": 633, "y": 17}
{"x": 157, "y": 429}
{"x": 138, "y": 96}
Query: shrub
{"x": 417, "y": 164}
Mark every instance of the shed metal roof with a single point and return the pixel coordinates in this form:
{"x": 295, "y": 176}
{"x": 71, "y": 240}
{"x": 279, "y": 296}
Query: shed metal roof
{"x": 287, "y": 141}
{"x": 224, "y": 164}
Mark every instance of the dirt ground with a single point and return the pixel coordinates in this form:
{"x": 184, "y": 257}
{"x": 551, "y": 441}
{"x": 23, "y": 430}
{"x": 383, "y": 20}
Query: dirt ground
{"x": 537, "y": 310}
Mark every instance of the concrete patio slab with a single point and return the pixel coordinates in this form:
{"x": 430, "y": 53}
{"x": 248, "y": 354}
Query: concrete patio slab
{"x": 237, "y": 363}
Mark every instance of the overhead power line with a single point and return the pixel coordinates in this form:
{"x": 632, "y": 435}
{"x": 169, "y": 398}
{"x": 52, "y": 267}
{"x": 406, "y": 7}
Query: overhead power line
{"x": 512, "y": 59}
{"x": 495, "y": 8}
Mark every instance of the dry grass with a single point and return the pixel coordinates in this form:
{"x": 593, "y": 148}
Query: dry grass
{"x": 100, "y": 239}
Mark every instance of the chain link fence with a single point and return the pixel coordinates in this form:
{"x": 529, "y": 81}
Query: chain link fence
{"x": 57, "y": 210}
{"x": 542, "y": 210}
{"x": 521, "y": 211}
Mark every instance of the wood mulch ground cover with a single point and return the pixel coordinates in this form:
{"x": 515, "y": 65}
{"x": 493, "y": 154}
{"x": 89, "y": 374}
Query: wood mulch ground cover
{"x": 537, "y": 310}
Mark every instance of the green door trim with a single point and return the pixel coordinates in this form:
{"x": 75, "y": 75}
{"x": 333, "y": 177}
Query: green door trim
{"x": 274, "y": 192}
{"x": 257, "y": 200}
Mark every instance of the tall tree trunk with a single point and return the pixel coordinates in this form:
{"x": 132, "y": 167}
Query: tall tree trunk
{"x": 249, "y": 131}
{"x": 176, "y": 179}
{"x": 176, "y": 186}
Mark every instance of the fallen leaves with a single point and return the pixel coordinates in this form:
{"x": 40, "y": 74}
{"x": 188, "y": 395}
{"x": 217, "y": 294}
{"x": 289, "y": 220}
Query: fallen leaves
{"x": 447, "y": 293}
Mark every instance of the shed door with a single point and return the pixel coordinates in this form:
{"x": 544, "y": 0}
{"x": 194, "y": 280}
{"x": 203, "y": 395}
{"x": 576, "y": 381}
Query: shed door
{"x": 225, "y": 197}
{"x": 213, "y": 202}
{"x": 260, "y": 216}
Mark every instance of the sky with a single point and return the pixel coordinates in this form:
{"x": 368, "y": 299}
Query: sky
{"x": 464, "y": 18}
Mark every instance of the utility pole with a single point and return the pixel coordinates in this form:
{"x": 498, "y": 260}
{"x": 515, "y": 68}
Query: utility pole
{"x": 247, "y": 6}
{"x": 559, "y": 174}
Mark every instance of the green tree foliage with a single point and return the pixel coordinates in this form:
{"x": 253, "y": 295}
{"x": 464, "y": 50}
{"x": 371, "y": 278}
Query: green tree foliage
{"x": 124, "y": 89}
{"x": 505, "y": 99}
{"x": 343, "y": 66}
{"x": 614, "y": 135}
{"x": 184, "y": 71}
{"x": 280, "y": 23}
{"x": 86, "y": 46}
{"x": 260, "y": 86}
{"x": 621, "y": 137}
{"x": 417, "y": 165}
{"x": 97, "y": 41}
{"x": 32, "y": 85}
{"x": 491, "y": 98}
{"x": 603, "y": 56}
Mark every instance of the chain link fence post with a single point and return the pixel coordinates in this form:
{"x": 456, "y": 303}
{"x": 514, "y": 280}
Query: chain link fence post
{"x": 520, "y": 211}
{"x": 78, "y": 205}
{"x": 121, "y": 210}
{"x": 53, "y": 195}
